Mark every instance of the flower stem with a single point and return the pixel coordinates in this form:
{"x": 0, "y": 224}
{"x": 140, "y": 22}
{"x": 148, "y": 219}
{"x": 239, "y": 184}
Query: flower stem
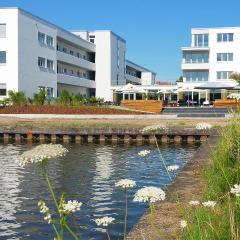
{"x": 161, "y": 158}
{"x": 70, "y": 231}
{"x": 126, "y": 212}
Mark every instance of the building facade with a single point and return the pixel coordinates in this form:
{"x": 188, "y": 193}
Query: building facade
{"x": 36, "y": 54}
{"x": 211, "y": 58}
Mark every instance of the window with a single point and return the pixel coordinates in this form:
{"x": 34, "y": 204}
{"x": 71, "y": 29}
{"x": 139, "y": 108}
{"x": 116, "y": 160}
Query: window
{"x": 92, "y": 38}
{"x": 2, "y": 30}
{"x": 41, "y": 62}
{"x": 225, "y": 37}
{"x": 41, "y": 37}
{"x": 78, "y": 55}
{"x": 72, "y": 72}
{"x": 224, "y": 75}
{"x": 64, "y": 70}
{"x": 2, "y": 57}
{"x": 196, "y": 57}
{"x": 200, "y": 40}
{"x": 49, "y": 41}
{"x": 192, "y": 76}
{"x": 64, "y": 49}
{"x": 71, "y": 52}
{"x": 49, "y": 92}
{"x": 224, "y": 57}
{"x": 3, "y": 89}
{"x": 50, "y": 64}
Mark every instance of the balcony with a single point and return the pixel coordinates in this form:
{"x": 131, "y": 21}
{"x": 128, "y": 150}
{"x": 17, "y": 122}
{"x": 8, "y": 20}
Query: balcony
{"x": 73, "y": 60}
{"x": 192, "y": 48}
{"x": 133, "y": 79}
{"x": 76, "y": 81}
{"x": 195, "y": 65}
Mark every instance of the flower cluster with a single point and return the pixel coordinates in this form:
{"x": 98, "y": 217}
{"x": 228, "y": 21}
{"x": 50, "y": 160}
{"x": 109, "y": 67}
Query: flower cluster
{"x": 70, "y": 207}
{"x": 203, "y": 126}
{"x": 126, "y": 183}
{"x": 183, "y": 224}
{"x": 209, "y": 204}
{"x": 194, "y": 203}
{"x": 104, "y": 221}
{"x": 154, "y": 128}
{"x": 45, "y": 210}
{"x": 42, "y": 152}
{"x": 149, "y": 194}
{"x": 144, "y": 153}
{"x": 236, "y": 190}
{"x": 172, "y": 168}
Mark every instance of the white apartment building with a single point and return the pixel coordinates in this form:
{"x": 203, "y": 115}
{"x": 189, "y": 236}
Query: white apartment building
{"x": 213, "y": 56}
{"x": 35, "y": 54}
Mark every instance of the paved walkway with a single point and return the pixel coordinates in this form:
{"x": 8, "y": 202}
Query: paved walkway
{"x": 100, "y": 116}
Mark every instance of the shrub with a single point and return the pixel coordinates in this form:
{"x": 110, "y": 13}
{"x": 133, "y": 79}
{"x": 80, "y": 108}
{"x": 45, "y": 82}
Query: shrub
{"x": 39, "y": 98}
{"x": 65, "y": 98}
{"x": 17, "y": 98}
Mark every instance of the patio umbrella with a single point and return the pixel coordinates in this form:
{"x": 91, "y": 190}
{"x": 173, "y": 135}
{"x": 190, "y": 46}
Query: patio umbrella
{"x": 214, "y": 85}
{"x": 234, "y": 96}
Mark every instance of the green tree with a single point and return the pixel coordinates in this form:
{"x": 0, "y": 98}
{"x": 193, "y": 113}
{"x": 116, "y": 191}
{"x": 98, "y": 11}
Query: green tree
{"x": 236, "y": 77}
{"x": 180, "y": 79}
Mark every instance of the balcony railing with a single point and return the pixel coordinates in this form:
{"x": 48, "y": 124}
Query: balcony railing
{"x": 75, "y": 80}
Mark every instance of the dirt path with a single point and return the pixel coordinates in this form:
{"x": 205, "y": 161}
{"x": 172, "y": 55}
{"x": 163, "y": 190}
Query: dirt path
{"x": 188, "y": 185}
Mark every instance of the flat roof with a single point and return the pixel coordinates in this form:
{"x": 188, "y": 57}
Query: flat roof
{"x": 143, "y": 68}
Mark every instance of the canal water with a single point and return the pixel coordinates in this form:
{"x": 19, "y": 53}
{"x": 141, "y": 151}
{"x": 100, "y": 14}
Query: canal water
{"x": 87, "y": 173}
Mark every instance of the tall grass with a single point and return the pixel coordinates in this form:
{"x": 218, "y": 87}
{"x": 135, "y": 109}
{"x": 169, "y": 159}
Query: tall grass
{"x": 223, "y": 220}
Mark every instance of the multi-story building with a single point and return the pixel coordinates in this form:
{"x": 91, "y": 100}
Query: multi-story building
{"x": 213, "y": 56}
{"x": 36, "y": 54}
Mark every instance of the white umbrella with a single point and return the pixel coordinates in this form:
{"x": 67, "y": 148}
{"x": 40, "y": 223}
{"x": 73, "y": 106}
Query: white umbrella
{"x": 234, "y": 96}
{"x": 128, "y": 88}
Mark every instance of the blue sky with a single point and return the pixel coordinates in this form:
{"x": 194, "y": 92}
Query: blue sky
{"x": 155, "y": 30}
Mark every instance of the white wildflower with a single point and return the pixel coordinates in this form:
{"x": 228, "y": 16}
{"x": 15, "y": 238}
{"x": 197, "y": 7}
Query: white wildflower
{"x": 126, "y": 183}
{"x": 154, "y": 128}
{"x": 104, "y": 221}
{"x": 209, "y": 204}
{"x": 172, "y": 168}
{"x": 203, "y": 126}
{"x": 42, "y": 152}
{"x": 45, "y": 210}
{"x": 71, "y": 207}
{"x": 183, "y": 224}
{"x": 144, "y": 153}
{"x": 149, "y": 194}
{"x": 194, "y": 203}
{"x": 236, "y": 190}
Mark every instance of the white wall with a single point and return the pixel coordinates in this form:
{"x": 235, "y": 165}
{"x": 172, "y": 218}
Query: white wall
{"x": 30, "y": 75}
{"x": 9, "y": 71}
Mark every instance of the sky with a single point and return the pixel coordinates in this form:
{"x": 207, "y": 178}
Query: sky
{"x": 155, "y": 30}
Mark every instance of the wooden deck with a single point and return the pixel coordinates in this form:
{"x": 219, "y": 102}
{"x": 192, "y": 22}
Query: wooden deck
{"x": 153, "y": 106}
{"x": 226, "y": 103}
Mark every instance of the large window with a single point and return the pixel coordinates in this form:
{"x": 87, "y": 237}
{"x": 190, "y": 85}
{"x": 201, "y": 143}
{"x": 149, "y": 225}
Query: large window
{"x": 3, "y": 89}
{"x": 224, "y": 75}
{"x": 50, "y": 41}
{"x": 50, "y": 64}
{"x": 41, "y": 62}
{"x": 2, "y": 57}
{"x": 2, "y": 30}
{"x": 200, "y": 40}
{"x": 41, "y": 37}
{"x": 196, "y": 57}
{"x": 223, "y": 57}
{"x": 225, "y": 37}
{"x": 192, "y": 76}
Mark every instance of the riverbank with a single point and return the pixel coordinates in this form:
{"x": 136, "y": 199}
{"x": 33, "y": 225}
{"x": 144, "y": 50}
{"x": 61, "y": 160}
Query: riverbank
{"x": 102, "y": 121}
{"x": 187, "y": 186}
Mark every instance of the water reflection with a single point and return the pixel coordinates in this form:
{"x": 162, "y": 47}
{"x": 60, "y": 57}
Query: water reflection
{"x": 88, "y": 173}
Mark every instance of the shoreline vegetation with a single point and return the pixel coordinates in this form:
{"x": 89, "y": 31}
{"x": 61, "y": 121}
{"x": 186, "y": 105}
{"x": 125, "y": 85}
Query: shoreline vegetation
{"x": 203, "y": 202}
